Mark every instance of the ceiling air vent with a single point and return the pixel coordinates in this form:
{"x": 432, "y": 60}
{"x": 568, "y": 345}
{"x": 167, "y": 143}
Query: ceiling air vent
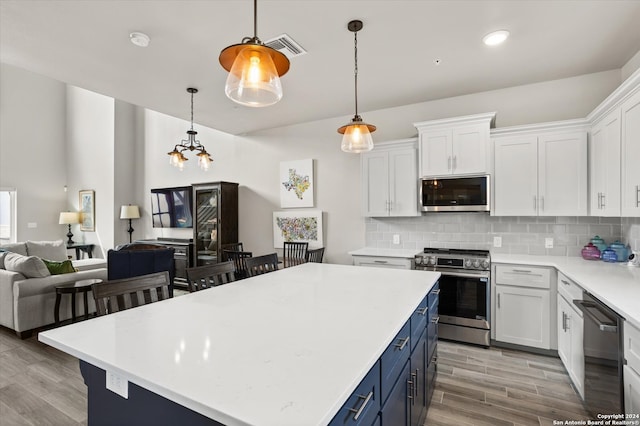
{"x": 286, "y": 45}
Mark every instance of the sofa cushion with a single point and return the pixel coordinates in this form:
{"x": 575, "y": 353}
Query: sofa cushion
{"x": 29, "y": 266}
{"x": 50, "y": 250}
{"x": 2, "y": 255}
{"x": 88, "y": 264}
{"x": 58, "y": 268}
{"x": 20, "y": 248}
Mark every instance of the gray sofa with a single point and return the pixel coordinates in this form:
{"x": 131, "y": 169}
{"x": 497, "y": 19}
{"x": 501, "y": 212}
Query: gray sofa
{"x": 27, "y": 303}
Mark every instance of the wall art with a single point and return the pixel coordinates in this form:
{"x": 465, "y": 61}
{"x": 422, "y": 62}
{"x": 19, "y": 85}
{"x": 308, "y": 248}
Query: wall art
{"x": 296, "y": 183}
{"x": 87, "y": 210}
{"x": 299, "y": 226}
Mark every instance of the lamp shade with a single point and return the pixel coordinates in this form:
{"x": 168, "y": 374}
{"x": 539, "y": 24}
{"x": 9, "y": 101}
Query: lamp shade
{"x": 69, "y": 218}
{"x": 129, "y": 212}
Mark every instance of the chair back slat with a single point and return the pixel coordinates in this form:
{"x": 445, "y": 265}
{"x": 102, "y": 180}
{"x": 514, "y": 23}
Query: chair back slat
{"x": 230, "y": 247}
{"x": 208, "y": 276}
{"x": 315, "y": 255}
{"x": 294, "y": 253}
{"x": 119, "y": 295}
{"x": 262, "y": 264}
{"x": 238, "y": 258}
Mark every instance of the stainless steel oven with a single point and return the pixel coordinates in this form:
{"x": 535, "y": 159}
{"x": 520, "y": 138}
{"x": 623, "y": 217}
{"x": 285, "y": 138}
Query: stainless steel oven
{"x": 464, "y": 292}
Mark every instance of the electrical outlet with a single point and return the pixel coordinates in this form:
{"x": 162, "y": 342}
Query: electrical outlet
{"x": 396, "y": 238}
{"x": 497, "y": 241}
{"x": 548, "y": 243}
{"x": 32, "y": 225}
{"x": 117, "y": 384}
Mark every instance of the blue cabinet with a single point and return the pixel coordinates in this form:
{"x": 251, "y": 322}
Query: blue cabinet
{"x": 398, "y": 388}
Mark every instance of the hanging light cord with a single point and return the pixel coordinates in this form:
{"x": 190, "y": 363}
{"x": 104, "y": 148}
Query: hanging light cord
{"x": 191, "y": 111}
{"x": 255, "y": 38}
{"x": 355, "y": 71}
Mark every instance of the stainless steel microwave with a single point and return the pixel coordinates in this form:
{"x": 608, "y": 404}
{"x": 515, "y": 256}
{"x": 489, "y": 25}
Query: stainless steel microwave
{"x": 455, "y": 194}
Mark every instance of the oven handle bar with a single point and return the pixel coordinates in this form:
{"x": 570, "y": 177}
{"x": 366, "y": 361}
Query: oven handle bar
{"x": 593, "y": 311}
{"x": 464, "y": 274}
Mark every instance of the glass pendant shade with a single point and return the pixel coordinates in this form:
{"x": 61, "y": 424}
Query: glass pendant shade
{"x": 253, "y": 79}
{"x": 357, "y": 137}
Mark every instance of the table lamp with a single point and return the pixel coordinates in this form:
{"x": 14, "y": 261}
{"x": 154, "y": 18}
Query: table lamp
{"x": 69, "y": 218}
{"x": 129, "y": 212}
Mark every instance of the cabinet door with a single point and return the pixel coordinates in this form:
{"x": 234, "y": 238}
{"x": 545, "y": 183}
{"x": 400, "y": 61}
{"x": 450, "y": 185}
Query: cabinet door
{"x": 605, "y": 166}
{"x": 469, "y": 149}
{"x": 205, "y": 228}
{"x": 395, "y": 411}
{"x": 375, "y": 183}
{"x": 418, "y": 400}
{"x": 630, "y": 119}
{"x": 436, "y": 157}
{"x": 403, "y": 183}
{"x": 576, "y": 372}
{"x": 631, "y": 391}
{"x": 515, "y": 176}
{"x": 562, "y": 174}
{"x": 564, "y": 337}
{"x": 523, "y": 316}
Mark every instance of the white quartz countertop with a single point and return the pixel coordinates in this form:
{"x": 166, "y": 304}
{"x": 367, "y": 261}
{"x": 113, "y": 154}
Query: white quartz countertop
{"x": 615, "y": 284}
{"x": 385, "y": 252}
{"x": 284, "y": 348}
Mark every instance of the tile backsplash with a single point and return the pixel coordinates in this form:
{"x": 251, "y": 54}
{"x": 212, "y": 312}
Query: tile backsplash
{"x": 520, "y": 235}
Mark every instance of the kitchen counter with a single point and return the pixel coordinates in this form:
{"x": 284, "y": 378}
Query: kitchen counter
{"x": 615, "y": 284}
{"x": 283, "y": 348}
{"x": 385, "y": 252}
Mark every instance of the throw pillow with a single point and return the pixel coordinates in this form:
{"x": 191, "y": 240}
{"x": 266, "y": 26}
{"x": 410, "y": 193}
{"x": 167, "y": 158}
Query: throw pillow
{"x": 20, "y": 248}
{"x": 29, "y": 266}
{"x": 54, "y": 250}
{"x": 58, "y": 268}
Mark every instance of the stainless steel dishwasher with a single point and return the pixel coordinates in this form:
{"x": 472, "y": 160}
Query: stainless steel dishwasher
{"x": 603, "y": 357}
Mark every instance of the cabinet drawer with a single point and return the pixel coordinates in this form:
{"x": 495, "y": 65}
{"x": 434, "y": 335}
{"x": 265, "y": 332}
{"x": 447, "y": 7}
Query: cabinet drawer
{"x": 383, "y": 262}
{"x": 418, "y": 322}
{"x": 393, "y": 359}
{"x": 632, "y": 346}
{"x": 523, "y": 276}
{"x": 569, "y": 290}
{"x": 364, "y": 403}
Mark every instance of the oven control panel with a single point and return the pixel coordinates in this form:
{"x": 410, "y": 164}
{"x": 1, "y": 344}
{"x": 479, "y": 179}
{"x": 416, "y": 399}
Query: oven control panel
{"x": 453, "y": 259}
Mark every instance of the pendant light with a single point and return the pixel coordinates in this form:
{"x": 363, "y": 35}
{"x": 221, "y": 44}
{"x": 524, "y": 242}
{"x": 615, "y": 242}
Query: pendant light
{"x": 357, "y": 134}
{"x": 254, "y": 70}
{"x": 177, "y": 157}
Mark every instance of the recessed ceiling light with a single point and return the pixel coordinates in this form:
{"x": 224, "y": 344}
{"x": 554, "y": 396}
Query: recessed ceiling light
{"x": 139, "y": 39}
{"x": 495, "y": 38}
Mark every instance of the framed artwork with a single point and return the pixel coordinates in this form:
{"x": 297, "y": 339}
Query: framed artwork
{"x": 298, "y": 225}
{"x": 296, "y": 183}
{"x": 87, "y": 210}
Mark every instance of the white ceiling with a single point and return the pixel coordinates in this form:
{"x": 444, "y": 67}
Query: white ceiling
{"x": 86, "y": 43}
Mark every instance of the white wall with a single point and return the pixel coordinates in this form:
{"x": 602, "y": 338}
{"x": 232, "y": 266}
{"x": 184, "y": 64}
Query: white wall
{"x": 32, "y": 150}
{"x": 253, "y": 160}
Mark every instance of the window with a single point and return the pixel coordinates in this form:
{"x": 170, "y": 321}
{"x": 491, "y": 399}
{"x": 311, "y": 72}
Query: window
{"x": 8, "y": 215}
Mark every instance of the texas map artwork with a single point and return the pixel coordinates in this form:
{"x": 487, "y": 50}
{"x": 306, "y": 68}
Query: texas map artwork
{"x": 298, "y": 183}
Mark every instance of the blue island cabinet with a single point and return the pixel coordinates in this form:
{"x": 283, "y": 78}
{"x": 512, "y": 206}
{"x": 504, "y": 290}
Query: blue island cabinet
{"x": 405, "y": 372}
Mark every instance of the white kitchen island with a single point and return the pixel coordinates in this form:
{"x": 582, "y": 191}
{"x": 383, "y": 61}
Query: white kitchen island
{"x": 284, "y": 348}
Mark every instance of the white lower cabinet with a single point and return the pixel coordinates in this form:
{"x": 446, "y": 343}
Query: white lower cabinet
{"x": 631, "y": 371}
{"x": 570, "y": 330}
{"x": 523, "y": 305}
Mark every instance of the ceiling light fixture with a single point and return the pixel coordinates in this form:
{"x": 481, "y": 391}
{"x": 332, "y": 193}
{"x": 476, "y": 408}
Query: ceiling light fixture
{"x": 495, "y": 38}
{"x": 177, "y": 157}
{"x": 254, "y": 70}
{"x": 139, "y": 39}
{"x": 357, "y": 134}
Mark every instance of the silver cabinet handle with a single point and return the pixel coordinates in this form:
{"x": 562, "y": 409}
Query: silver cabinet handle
{"x": 522, "y": 271}
{"x": 421, "y": 311}
{"x": 403, "y": 342}
{"x": 564, "y": 324}
{"x": 449, "y": 163}
{"x": 594, "y": 312}
{"x": 359, "y": 411}
{"x": 380, "y": 261}
{"x": 390, "y": 205}
{"x": 535, "y": 203}
{"x": 637, "y": 195}
{"x": 414, "y": 378}
{"x": 436, "y": 291}
{"x": 435, "y": 320}
{"x": 565, "y": 282}
{"x": 599, "y": 200}
{"x": 604, "y": 197}
{"x": 498, "y": 300}
{"x": 410, "y": 391}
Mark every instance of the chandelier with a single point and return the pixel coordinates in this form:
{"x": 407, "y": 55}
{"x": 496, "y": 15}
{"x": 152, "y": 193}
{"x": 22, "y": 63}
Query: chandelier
{"x": 177, "y": 157}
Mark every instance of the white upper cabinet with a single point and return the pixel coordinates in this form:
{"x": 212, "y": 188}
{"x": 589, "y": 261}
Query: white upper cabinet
{"x": 541, "y": 172}
{"x": 390, "y": 180}
{"x": 604, "y": 166}
{"x": 630, "y": 136}
{"x": 455, "y": 146}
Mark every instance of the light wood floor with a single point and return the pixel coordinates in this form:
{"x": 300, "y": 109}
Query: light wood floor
{"x": 40, "y": 385}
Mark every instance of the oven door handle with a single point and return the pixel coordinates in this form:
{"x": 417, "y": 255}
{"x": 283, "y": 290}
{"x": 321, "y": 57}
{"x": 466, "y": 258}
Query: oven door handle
{"x": 593, "y": 311}
{"x": 464, "y": 275}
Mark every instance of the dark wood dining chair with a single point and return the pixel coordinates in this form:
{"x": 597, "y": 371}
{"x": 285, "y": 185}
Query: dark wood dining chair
{"x": 238, "y": 258}
{"x": 230, "y": 247}
{"x": 294, "y": 253}
{"x": 119, "y": 295}
{"x": 262, "y": 264}
{"x": 202, "y": 277}
{"x": 315, "y": 255}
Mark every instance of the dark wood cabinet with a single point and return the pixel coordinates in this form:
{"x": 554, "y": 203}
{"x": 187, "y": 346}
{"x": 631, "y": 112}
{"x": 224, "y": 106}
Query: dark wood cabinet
{"x": 215, "y": 220}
